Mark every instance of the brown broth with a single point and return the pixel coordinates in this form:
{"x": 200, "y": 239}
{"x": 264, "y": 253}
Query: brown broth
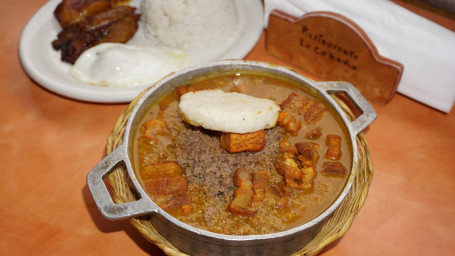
{"x": 211, "y": 214}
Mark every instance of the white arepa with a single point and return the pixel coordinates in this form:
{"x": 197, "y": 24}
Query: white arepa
{"x": 228, "y": 111}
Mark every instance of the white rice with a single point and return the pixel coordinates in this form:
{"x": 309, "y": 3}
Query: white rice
{"x": 189, "y": 24}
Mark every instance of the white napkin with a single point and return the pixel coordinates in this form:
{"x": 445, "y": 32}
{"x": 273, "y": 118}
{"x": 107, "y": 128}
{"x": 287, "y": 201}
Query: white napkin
{"x": 426, "y": 49}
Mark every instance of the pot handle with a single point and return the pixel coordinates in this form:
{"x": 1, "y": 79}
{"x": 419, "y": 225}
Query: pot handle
{"x": 368, "y": 114}
{"x": 103, "y": 200}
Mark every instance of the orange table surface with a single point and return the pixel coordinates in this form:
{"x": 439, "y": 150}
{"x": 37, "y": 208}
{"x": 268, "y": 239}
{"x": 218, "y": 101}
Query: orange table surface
{"x": 49, "y": 143}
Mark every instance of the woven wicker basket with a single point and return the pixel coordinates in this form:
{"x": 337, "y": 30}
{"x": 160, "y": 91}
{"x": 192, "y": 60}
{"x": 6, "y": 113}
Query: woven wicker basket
{"x": 336, "y": 226}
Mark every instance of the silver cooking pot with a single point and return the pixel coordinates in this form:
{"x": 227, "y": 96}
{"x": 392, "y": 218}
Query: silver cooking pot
{"x": 196, "y": 241}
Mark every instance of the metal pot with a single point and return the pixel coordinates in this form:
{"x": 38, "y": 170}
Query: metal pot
{"x": 196, "y": 241}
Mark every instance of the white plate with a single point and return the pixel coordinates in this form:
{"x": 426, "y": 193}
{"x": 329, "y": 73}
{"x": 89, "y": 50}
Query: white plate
{"x": 42, "y": 63}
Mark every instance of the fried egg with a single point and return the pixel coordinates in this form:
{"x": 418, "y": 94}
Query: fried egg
{"x": 120, "y": 65}
{"x": 228, "y": 111}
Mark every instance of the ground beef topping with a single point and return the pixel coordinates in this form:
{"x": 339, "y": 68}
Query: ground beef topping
{"x": 205, "y": 163}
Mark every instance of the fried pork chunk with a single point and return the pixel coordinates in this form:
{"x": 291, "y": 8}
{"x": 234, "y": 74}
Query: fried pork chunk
{"x": 165, "y": 182}
{"x": 296, "y": 176}
{"x": 72, "y": 11}
{"x": 87, "y": 23}
{"x": 240, "y": 204}
{"x": 180, "y": 90}
{"x": 288, "y": 122}
{"x": 310, "y": 109}
{"x": 314, "y": 134}
{"x": 334, "y": 147}
{"x": 70, "y": 33}
{"x": 260, "y": 180}
{"x": 250, "y": 188}
{"x": 308, "y": 153}
{"x": 119, "y": 31}
{"x": 239, "y": 142}
{"x": 336, "y": 169}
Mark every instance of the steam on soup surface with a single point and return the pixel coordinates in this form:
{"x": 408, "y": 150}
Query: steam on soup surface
{"x": 297, "y": 172}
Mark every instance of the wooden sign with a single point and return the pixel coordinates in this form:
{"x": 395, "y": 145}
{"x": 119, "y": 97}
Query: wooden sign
{"x": 333, "y": 48}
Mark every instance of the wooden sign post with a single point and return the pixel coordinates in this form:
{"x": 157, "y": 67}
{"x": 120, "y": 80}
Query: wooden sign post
{"x": 333, "y": 48}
